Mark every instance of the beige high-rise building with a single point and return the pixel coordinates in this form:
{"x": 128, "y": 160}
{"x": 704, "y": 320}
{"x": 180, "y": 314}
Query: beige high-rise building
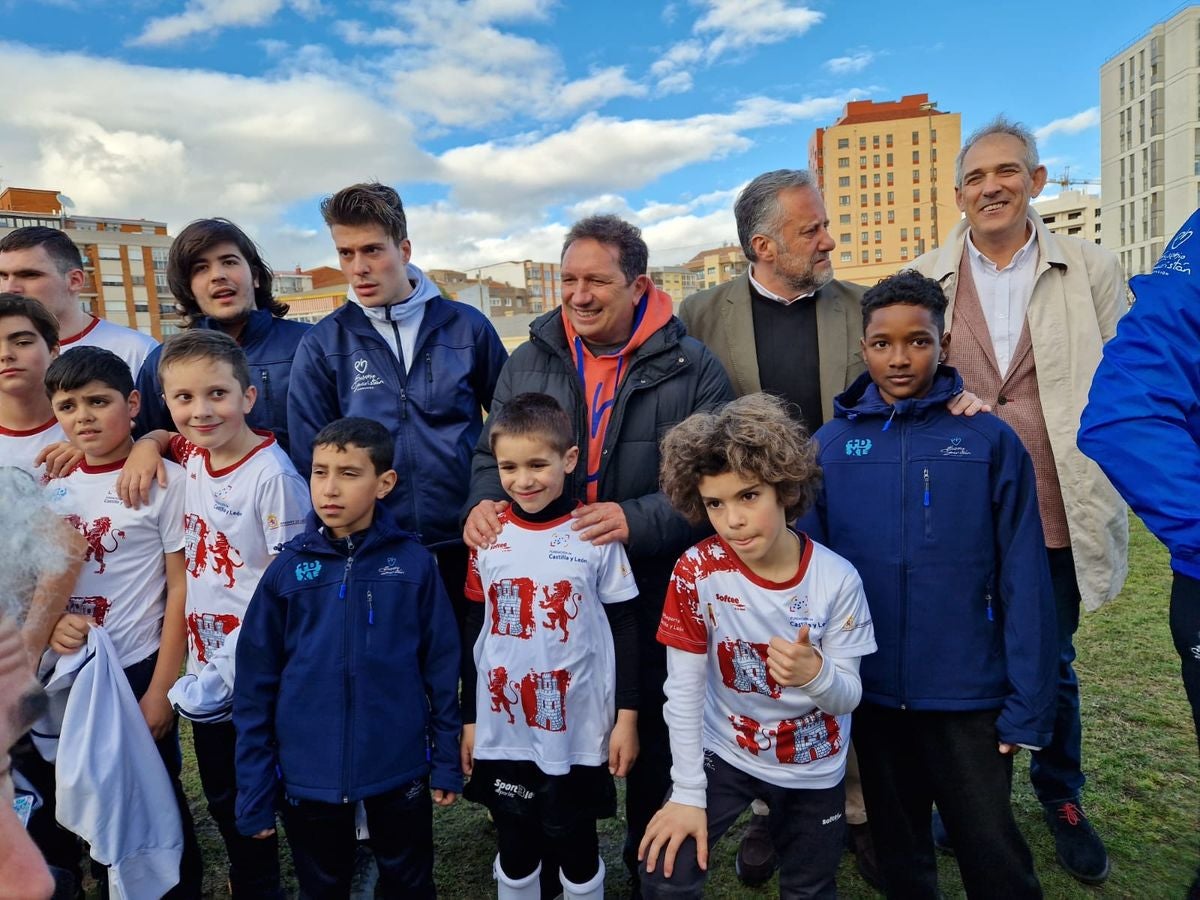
{"x": 1150, "y": 139}
{"x": 887, "y": 173}
{"x": 677, "y": 281}
{"x": 124, "y": 260}
{"x": 717, "y": 266}
{"x": 1073, "y": 213}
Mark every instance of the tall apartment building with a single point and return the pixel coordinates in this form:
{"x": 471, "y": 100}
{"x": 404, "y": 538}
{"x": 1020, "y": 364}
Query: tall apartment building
{"x": 294, "y": 282}
{"x": 886, "y": 171}
{"x": 124, "y": 260}
{"x": 540, "y": 281}
{"x": 717, "y": 266}
{"x": 1072, "y": 212}
{"x": 1150, "y": 139}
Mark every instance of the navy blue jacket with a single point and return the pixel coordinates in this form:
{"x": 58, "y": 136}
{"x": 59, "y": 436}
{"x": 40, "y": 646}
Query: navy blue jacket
{"x": 345, "y": 368}
{"x": 939, "y": 515}
{"x": 347, "y": 674}
{"x": 270, "y": 345}
{"x": 1142, "y": 421}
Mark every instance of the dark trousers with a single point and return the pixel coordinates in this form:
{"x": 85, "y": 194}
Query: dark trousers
{"x": 1056, "y": 770}
{"x": 62, "y": 849}
{"x": 253, "y": 863}
{"x": 522, "y": 842}
{"x": 322, "y": 839}
{"x": 650, "y": 778}
{"x": 1185, "y": 631}
{"x": 911, "y": 760}
{"x": 452, "y": 566}
{"x": 807, "y": 827}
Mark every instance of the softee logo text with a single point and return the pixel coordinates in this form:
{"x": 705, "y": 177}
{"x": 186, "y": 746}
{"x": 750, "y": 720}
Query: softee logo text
{"x": 858, "y": 446}
{"x": 308, "y": 571}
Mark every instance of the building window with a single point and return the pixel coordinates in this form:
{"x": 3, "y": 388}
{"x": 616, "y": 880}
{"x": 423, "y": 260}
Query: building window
{"x": 878, "y": 217}
{"x": 904, "y": 234}
{"x": 864, "y": 238}
{"x": 160, "y": 280}
{"x": 844, "y": 237}
{"x": 875, "y": 160}
{"x": 866, "y": 256}
{"x": 844, "y": 219}
{"x": 847, "y": 256}
{"x": 862, "y": 199}
{"x": 917, "y": 214}
{"x": 891, "y": 216}
{"x": 916, "y": 195}
{"x": 137, "y": 279}
{"x": 875, "y": 197}
{"x": 862, "y": 181}
{"x": 875, "y": 141}
{"x": 844, "y": 181}
{"x": 878, "y": 255}
{"x": 891, "y": 197}
{"x": 876, "y": 180}
{"x": 862, "y": 161}
{"x": 904, "y": 253}
{"x": 889, "y": 159}
{"x": 933, "y": 137}
{"x": 159, "y": 255}
{"x": 862, "y": 143}
{"x": 879, "y": 237}
{"x": 916, "y": 234}
{"x": 843, "y": 200}
{"x": 843, "y": 162}
{"x": 112, "y": 281}
{"x": 916, "y": 178}
{"x": 109, "y": 251}
{"x": 916, "y": 138}
{"x": 843, "y": 143}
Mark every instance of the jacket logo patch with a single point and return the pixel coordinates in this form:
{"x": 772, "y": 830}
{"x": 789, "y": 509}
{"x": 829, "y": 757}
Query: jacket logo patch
{"x": 1180, "y": 239}
{"x": 955, "y": 448}
{"x": 308, "y": 571}
{"x": 858, "y": 446}
{"x": 364, "y": 380}
{"x": 390, "y": 567}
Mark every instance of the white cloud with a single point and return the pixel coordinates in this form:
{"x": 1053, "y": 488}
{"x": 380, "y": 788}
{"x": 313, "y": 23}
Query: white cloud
{"x": 1081, "y": 121}
{"x": 737, "y": 25}
{"x": 200, "y": 16}
{"x": 597, "y": 88}
{"x": 854, "y": 62}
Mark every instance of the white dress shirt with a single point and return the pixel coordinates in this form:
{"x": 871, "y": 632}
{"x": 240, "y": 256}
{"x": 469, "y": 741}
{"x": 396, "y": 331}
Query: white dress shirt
{"x": 771, "y": 295}
{"x": 1004, "y": 295}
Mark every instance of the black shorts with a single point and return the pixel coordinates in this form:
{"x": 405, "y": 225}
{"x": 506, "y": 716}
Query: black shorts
{"x": 520, "y": 788}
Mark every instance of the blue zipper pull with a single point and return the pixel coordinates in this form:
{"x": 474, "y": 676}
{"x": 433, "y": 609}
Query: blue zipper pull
{"x": 990, "y": 615}
{"x": 370, "y": 609}
{"x": 927, "y": 487}
{"x": 888, "y": 423}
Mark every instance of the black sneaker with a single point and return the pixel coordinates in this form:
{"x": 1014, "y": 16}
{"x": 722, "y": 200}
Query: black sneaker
{"x": 1079, "y": 849}
{"x": 756, "y": 861}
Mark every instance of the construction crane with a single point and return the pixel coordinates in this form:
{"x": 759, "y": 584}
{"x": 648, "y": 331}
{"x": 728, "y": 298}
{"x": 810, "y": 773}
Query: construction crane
{"x": 1065, "y": 180}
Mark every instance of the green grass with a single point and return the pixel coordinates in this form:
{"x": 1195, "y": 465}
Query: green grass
{"x": 1140, "y": 756}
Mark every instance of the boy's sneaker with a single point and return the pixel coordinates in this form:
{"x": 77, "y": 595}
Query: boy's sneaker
{"x": 756, "y": 861}
{"x": 1079, "y": 849}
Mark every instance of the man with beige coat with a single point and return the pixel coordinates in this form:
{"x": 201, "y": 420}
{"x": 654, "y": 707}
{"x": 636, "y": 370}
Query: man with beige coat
{"x": 1030, "y": 312}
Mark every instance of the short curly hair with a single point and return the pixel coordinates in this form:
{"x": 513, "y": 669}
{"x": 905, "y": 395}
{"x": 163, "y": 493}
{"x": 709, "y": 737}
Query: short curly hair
{"x": 753, "y": 436}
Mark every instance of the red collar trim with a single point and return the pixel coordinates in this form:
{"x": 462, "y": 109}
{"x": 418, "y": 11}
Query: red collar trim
{"x": 268, "y": 439}
{"x": 801, "y": 570}
{"x": 75, "y": 337}
{"x": 12, "y": 432}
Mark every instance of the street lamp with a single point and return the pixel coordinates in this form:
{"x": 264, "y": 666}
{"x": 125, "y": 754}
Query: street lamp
{"x": 478, "y": 270}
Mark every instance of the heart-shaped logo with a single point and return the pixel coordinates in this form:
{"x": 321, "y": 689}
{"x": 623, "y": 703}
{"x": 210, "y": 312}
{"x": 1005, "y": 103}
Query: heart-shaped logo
{"x": 360, "y": 366}
{"x": 954, "y": 442}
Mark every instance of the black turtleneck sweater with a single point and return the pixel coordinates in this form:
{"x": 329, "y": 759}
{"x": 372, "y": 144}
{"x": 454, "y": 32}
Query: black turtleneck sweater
{"x": 785, "y": 341}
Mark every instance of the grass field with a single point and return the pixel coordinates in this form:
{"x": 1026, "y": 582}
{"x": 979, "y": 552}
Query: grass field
{"x": 1139, "y": 755}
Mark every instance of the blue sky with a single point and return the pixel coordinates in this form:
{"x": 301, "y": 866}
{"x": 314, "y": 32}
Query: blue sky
{"x": 501, "y": 121}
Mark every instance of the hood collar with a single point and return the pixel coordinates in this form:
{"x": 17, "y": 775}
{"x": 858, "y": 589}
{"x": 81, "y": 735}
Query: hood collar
{"x": 423, "y": 291}
{"x": 863, "y": 398}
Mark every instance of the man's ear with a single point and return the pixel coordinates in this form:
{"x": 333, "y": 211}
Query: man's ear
{"x": 1039, "y": 181}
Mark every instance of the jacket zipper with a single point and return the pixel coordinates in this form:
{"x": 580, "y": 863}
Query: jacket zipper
{"x": 402, "y": 378}
{"x": 266, "y": 383}
{"x": 348, "y": 679}
{"x": 901, "y": 655}
{"x": 928, "y": 508}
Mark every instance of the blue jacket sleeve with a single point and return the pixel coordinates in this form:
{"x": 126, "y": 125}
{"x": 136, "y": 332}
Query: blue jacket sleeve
{"x": 312, "y": 399}
{"x": 440, "y": 669}
{"x": 1026, "y": 599}
{"x": 1142, "y": 421}
{"x": 255, "y": 691}
{"x": 490, "y": 357}
{"x": 153, "y": 413}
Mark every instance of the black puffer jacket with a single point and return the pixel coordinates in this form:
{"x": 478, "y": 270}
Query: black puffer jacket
{"x": 670, "y": 377}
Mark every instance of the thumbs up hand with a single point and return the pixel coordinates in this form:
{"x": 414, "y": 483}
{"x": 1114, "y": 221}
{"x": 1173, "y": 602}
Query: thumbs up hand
{"x": 793, "y": 663}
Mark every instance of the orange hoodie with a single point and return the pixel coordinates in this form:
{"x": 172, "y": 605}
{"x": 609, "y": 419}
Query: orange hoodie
{"x": 601, "y": 375}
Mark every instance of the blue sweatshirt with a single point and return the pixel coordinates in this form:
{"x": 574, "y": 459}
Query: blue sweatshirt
{"x": 939, "y": 515}
{"x": 1142, "y": 421}
{"x": 347, "y": 673}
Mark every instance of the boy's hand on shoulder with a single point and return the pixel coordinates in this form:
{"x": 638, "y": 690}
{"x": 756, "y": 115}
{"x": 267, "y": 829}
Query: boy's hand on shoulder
{"x": 444, "y": 798}
{"x": 623, "y": 743}
{"x": 967, "y": 404}
{"x": 70, "y": 633}
{"x": 158, "y": 713}
{"x": 670, "y": 827}
{"x": 264, "y": 834}
{"x": 466, "y": 748}
{"x": 793, "y": 663}
{"x": 60, "y": 458}
{"x": 483, "y": 523}
{"x": 601, "y": 523}
{"x": 142, "y": 468}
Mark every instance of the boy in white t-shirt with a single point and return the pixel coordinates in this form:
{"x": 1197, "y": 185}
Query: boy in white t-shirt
{"x": 132, "y": 579}
{"x": 550, "y": 691}
{"x": 764, "y": 632}
{"x": 242, "y": 501}
{"x": 28, "y": 344}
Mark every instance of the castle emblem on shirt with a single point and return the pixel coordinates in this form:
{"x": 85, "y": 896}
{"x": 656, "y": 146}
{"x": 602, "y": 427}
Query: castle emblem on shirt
{"x": 743, "y": 668}
{"x": 95, "y": 608}
{"x": 364, "y": 379}
{"x": 94, "y": 534}
{"x": 555, "y": 603}
{"x": 815, "y": 735}
{"x": 858, "y": 446}
{"x": 199, "y": 553}
{"x": 208, "y": 632}
{"x": 544, "y": 699}
{"x": 512, "y": 607}
{"x": 504, "y": 693}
